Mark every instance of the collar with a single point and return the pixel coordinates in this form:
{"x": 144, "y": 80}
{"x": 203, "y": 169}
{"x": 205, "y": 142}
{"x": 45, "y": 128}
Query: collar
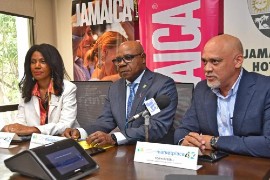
{"x": 234, "y": 88}
{"x": 138, "y": 80}
{"x": 36, "y": 92}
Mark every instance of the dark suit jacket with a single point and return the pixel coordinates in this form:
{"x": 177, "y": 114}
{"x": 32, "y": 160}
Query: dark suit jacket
{"x": 251, "y": 117}
{"x": 152, "y": 85}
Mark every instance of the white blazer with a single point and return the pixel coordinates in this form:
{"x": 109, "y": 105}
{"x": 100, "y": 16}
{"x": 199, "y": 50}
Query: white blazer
{"x": 62, "y": 112}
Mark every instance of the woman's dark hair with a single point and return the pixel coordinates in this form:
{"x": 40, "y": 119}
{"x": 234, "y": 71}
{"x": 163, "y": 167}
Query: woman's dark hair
{"x": 54, "y": 61}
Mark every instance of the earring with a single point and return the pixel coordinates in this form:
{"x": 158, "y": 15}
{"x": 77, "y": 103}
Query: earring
{"x": 52, "y": 79}
{"x": 51, "y": 86}
{"x": 33, "y": 79}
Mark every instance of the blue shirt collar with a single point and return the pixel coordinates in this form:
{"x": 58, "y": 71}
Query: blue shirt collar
{"x": 234, "y": 88}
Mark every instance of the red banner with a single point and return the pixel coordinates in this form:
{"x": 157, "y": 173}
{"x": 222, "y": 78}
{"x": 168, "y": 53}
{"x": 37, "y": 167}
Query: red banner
{"x": 174, "y": 32}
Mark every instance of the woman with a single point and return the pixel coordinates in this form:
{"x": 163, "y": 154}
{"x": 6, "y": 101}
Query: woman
{"x": 102, "y": 54}
{"x": 48, "y": 104}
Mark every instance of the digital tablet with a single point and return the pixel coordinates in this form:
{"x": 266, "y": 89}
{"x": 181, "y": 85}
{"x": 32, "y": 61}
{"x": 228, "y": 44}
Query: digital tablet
{"x": 64, "y": 159}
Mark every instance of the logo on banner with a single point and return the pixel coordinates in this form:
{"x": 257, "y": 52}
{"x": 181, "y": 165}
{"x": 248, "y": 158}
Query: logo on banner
{"x": 260, "y": 13}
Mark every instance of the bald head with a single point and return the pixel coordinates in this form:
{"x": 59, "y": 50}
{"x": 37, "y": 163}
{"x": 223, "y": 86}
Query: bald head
{"x": 136, "y": 45}
{"x": 226, "y": 42}
{"x": 222, "y": 57}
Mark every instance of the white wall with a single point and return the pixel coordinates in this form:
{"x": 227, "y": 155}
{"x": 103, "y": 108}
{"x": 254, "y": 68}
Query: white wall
{"x": 22, "y": 7}
{"x": 64, "y": 32}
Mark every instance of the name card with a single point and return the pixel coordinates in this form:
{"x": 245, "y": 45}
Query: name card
{"x": 5, "y": 139}
{"x": 167, "y": 155}
{"x": 42, "y": 139}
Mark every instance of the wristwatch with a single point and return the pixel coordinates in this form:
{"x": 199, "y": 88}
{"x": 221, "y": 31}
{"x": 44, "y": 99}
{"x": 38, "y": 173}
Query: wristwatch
{"x": 213, "y": 142}
{"x": 181, "y": 141}
{"x": 114, "y": 138}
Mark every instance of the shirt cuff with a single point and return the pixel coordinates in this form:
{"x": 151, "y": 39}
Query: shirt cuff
{"x": 83, "y": 133}
{"x": 121, "y": 139}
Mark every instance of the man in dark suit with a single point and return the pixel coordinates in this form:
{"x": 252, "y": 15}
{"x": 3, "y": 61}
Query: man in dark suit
{"x": 230, "y": 110}
{"x": 131, "y": 64}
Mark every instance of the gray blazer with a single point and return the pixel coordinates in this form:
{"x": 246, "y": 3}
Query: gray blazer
{"x": 114, "y": 113}
{"x": 251, "y": 117}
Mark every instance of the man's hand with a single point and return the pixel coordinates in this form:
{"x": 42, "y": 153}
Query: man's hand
{"x": 100, "y": 138}
{"x": 197, "y": 140}
{"x": 72, "y": 133}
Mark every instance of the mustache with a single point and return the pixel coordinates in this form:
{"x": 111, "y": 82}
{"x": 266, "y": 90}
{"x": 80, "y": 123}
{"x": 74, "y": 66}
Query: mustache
{"x": 210, "y": 74}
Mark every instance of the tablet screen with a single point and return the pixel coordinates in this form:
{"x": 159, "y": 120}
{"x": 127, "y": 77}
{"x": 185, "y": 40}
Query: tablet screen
{"x": 65, "y": 159}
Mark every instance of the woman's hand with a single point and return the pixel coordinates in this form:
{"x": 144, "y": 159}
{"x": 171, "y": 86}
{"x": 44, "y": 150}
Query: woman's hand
{"x": 20, "y": 129}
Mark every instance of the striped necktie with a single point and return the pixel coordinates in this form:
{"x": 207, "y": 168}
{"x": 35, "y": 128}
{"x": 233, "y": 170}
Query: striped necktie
{"x": 132, "y": 87}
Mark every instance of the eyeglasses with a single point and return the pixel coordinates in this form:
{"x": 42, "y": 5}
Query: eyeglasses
{"x": 126, "y": 58}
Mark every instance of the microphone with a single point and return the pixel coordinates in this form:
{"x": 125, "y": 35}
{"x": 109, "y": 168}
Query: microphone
{"x": 153, "y": 106}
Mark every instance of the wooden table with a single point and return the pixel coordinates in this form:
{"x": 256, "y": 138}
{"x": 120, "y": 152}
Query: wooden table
{"x": 117, "y": 164}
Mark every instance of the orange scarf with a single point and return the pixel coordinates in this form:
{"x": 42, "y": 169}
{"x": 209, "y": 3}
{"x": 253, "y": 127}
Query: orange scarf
{"x": 43, "y": 103}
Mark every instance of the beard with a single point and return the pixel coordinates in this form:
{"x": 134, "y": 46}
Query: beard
{"x": 213, "y": 84}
